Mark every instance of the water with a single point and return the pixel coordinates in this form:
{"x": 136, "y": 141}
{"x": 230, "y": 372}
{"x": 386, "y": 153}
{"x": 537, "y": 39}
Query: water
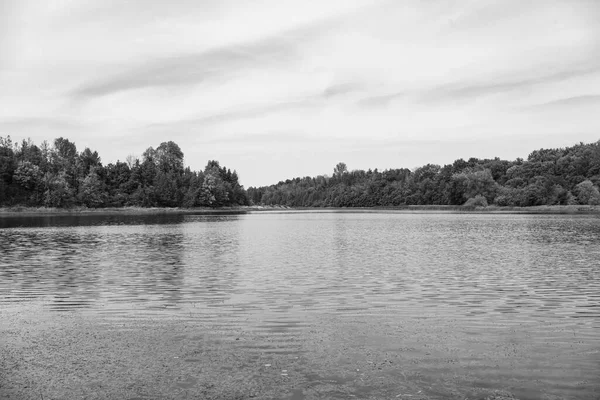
{"x": 452, "y": 303}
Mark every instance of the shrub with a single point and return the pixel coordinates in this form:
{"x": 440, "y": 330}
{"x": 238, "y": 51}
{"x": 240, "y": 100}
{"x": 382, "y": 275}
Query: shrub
{"x": 587, "y": 193}
{"x": 477, "y": 201}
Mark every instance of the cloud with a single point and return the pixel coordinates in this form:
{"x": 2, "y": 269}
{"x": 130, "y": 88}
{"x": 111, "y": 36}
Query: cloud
{"x": 380, "y": 100}
{"x": 466, "y": 90}
{"x": 259, "y": 139}
{"x": 583, "y": 100}
{"x": 232, "y": 115}
{"x": 193, "y": 68}
{"x": 341, "y": 89}
{"x": 274, "y": 51}
{"x": 37, "y": 124}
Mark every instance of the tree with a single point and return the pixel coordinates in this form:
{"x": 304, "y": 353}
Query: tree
{"x": 27, "y": 184}
{"x": 213, "y": 192}
{"x": 57, "y": 192}
{"x": 131, "y": 160}
{"x": 119, "y": 185}
{"x": 169, "y": 158}
{"x": 167, "y": 189}
{"x": 28, "y": 151}
{"x": 238, "y": 195}
{"x": 7, "y": 167}
{"x": 28, "y": 176}
{"x": 470, "y": 183}
{"x": 86, "y": 161}
{"x": 508, "y": 196}
{"x": 63, "y": 160}
{"x": 192, "y": 195}
{"x": 92, "y": 191}
{"x": 65, "y": 149}
{"x": 587, "y": 193}
{"x": 339, "y": 170}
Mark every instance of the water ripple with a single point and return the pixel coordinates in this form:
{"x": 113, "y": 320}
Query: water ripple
{"x": 276, "y": 276}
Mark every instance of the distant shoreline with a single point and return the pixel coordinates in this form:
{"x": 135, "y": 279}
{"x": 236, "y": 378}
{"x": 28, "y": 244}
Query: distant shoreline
{"x": 416, "y": 209}
{"x": 43, "y": 211}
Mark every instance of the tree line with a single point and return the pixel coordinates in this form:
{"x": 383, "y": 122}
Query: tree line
{"x": 58, "y": 175}
{"x": 563, "y": 176}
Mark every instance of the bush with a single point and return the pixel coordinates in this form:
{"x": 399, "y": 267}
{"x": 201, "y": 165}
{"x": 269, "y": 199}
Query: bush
{"x": 587, "y": 193}
{"x": 477, "y": 201}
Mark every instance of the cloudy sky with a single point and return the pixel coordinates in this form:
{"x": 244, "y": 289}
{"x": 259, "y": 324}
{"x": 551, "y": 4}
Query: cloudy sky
{"x": 283, "y": 88}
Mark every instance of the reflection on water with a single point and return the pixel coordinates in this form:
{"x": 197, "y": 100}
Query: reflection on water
{"x": 99, "y": 218}
{"x": 278, "y": 275}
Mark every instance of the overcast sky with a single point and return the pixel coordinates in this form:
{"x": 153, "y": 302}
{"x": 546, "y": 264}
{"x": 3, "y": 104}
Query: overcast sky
{"x": 279, "y": 88}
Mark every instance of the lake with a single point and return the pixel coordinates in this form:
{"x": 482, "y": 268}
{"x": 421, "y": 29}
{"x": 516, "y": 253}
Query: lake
{"x": 300, "y": 305}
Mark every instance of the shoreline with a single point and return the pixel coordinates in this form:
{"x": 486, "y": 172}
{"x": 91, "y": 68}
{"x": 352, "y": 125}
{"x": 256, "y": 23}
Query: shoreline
{"x": 8, "y": 212}
{"x": 441, "y": 209}
{"x": 115, "y": 211}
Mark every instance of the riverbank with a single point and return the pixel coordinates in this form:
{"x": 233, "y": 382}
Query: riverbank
{"x": 42, "y": 211}
{"x": 115, "y": 211}
{"x": 572, "y": 209}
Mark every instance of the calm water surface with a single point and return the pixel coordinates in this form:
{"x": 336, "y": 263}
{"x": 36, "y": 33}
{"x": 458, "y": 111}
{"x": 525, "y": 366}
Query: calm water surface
{"x": 516, "y": 297}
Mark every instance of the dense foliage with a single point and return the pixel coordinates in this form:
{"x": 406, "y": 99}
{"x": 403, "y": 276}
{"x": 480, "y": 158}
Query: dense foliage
{"x": 549, "y": 176}
{"x": 60, "y": 176}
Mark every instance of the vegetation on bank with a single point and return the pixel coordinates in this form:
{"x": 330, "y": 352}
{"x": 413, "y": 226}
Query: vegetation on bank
{"x": 565, "y": 176}
{"x": 52, "y": 211}
{"x": 19, "y": 211}
{"x": 57, "y": 176}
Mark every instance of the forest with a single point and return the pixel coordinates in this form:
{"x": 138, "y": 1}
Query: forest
{"x": 57, "y": 175}
{"x": 564, "y": 176}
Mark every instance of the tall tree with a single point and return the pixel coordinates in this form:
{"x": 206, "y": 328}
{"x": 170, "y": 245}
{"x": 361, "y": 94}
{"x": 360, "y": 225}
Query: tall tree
{"x": 7, "y": 167}
{"x": 92, "y": 191}
{"x": 339, "y": 170}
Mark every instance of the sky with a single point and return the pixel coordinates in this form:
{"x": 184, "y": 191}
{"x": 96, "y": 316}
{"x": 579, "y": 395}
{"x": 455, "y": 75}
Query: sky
{"x": 278, "y": 89}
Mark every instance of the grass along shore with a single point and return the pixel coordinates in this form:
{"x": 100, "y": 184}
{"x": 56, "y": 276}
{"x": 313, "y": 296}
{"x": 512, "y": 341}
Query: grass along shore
{"x": 41, "y": 211}
{"x": 18, "y": 211}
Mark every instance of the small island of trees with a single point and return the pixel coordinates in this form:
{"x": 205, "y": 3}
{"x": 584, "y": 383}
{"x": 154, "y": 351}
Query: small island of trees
{"x": 59, "y": 176}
